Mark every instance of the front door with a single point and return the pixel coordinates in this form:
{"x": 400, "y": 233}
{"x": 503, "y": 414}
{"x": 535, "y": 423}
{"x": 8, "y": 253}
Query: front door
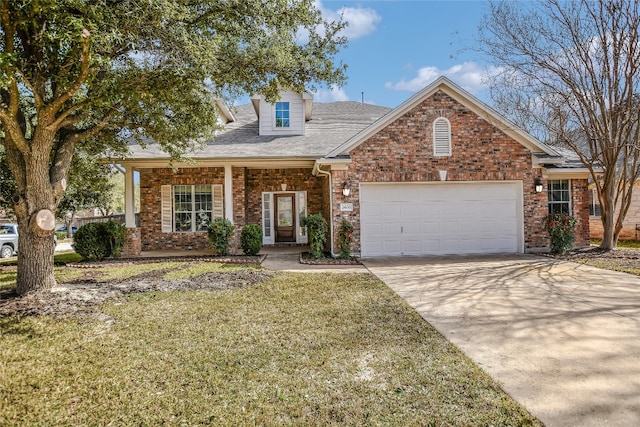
{"x": 285, "y": 217}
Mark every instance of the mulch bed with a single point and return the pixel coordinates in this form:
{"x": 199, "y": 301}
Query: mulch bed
{"x": 229, "y": 259}
{"x": 80, "y": 297}
{"x": 598, "y": 253}
{"x": 327, "y": 259}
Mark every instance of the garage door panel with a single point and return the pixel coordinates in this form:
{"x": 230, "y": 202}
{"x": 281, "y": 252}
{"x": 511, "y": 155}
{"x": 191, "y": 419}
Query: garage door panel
{"x": 441, "y": 218}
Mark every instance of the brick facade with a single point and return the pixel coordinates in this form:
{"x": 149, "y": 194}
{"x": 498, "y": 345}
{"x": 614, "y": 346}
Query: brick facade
{"x": 400, "y": 152}
{"x": 403, "y": 152}
{"x": 151, "y": 180}
{"x": 248, "y": 186}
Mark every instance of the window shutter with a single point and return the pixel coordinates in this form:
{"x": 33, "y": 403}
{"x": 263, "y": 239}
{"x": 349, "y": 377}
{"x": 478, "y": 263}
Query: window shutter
{"x": 441, "y": 137}
{"x": 166, "y": 209}
{"x": 218, "y": 205}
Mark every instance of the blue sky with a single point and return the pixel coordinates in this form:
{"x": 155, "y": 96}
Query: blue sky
{"x": 398, "y": 47}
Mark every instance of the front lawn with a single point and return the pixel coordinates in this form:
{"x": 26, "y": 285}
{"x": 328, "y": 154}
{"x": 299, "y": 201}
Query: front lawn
{"x": 294, "y": 349}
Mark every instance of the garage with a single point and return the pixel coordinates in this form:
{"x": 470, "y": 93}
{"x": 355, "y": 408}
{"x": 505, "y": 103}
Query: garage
{"x": 441, "y": 218}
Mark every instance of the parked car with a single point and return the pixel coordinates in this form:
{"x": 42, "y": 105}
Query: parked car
{"x": 63, "y": 229}
{"x": 9, "y": 240}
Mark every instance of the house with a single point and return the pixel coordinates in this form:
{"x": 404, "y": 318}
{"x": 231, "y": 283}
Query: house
{"x": 442, "y": 173}
{"x": 630, "y": 225}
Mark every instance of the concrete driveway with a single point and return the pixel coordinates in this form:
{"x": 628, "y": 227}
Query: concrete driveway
{"x": 563, "y": 339}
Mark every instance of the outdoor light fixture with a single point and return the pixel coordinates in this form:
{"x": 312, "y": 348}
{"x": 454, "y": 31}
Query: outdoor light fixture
{"x": 539, "y": 185}
{"x": 345, "y": 189}
{"x": 283, "y": 187}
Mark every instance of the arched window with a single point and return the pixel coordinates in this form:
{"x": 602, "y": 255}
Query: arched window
{"x": 441, "y": 137}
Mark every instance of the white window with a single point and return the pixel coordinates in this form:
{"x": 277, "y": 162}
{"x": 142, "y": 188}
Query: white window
{"x": 558, "y": 191}
{"x": 283, "y": 115}
{"x": 266, "y": 215}
{"x": 594, "y": 203}
{"x": 189, "y": 208}
{"x": 441, "y": 137}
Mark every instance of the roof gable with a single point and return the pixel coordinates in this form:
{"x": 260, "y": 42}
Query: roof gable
{"x": 459, "y": 95}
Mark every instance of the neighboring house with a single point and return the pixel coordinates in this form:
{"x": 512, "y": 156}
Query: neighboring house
{"x": 630, "y": 225}
{"x": 440, "y": 174}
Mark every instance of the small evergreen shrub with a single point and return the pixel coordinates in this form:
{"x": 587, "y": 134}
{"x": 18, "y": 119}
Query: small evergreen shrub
{"x": 345, "y": 236}
{"x": 115, "y": 235}
{"x": 61, "y": 235}
{"x": 251, "y": 239}
{"x": 560, "y": 227}
{"x": 317, "y": 231}
{"x": 99, "y": 240}
{"x": 220, "y": 232}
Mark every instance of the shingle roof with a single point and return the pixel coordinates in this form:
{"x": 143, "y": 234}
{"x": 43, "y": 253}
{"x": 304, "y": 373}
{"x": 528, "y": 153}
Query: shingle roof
{"x": 331, "y": 125}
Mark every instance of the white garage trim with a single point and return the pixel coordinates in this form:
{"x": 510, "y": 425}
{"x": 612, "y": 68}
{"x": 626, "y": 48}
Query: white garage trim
{"x": 440, "y": 218}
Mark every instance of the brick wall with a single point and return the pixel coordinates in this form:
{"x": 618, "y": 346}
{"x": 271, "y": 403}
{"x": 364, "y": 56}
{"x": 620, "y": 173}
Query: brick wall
{"x": 248, "y": 185}
{"x": 403, "y": 152}
{"x": 270, "y": 180}
{"x": 580, "y": 198}
{"x": 151, "y": 181}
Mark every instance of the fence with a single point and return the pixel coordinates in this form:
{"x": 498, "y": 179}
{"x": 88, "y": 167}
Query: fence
{"x": 119, "y": 218}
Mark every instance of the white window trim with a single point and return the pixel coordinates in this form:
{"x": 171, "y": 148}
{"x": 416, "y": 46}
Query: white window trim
{"x": 570, "y": 195}
{"x": 301, "y": 232}
{"x": 593, "y": 202}
{"x": 168, "y": 212}
{"x": 441, "y": 142}
{"x": 275, "y": 124}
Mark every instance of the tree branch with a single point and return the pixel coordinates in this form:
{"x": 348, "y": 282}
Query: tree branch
{"x": 57, "y": 104}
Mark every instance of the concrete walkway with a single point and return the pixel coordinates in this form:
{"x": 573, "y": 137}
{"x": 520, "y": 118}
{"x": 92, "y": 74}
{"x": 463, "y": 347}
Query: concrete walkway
{"x": 563, "y": 339}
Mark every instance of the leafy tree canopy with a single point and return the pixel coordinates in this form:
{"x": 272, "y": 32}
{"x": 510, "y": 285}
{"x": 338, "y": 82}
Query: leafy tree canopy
{"x": 98, "y": 73}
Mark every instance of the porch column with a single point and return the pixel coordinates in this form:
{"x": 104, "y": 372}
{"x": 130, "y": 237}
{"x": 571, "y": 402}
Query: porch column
{"x": 129, "y": 199}
{"x": 228, "y": 192}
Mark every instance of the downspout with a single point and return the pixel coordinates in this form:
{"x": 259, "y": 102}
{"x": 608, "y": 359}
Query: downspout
{"x": 318, "y": 171}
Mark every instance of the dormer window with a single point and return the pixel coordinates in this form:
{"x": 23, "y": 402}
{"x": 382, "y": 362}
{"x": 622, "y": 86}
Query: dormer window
{"x": 282, "y": 115}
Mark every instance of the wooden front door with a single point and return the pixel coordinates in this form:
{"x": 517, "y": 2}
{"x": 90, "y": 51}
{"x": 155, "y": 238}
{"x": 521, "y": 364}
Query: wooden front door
{"x": 285, "y": 217}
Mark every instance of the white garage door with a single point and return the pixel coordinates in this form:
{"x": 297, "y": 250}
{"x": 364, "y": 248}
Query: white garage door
{"x": 441, "y": 218}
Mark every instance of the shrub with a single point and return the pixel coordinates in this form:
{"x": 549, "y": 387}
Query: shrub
{"x": 220, "y": 232}
{"x": 317, "y": 231}
{"x": 99, "y": 240}
{"x": 345, "y": 236}
{"x": 251, "y": 239}
{"x": 61, "y": 235}
{"x": 560, "y": 227}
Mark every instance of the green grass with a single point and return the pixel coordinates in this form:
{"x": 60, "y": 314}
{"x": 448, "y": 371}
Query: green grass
{"x": 631, "y": 244}
{"x": 60, "y": 258}
{"x": 200, "y": 268}
{"x": 297, "y": 350}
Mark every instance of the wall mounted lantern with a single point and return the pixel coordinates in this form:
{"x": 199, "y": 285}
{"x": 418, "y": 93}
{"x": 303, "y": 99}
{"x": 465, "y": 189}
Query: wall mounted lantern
{"x": 345, "y": 189}
{"x": 539, "y": 186}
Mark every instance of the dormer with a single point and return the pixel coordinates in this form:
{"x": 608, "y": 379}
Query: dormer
{"x": 287, "y": 116}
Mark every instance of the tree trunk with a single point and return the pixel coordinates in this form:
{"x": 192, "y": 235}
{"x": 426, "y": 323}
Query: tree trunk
{"x": 35, "y": 258}
{"x": 609, "y": 239}
{"x": 35, "y": 245}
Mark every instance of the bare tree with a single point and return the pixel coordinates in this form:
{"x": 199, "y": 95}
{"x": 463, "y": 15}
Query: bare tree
{"x": 571, "y": 74}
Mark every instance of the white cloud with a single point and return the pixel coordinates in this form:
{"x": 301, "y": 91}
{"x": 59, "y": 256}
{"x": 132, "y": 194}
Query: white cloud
{"x": 330, "y": 95}
{"x": 361, "y": 21}
{"x": 469, "y": 75}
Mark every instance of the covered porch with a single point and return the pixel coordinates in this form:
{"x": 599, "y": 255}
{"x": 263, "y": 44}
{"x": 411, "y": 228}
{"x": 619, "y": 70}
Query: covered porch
{"x": 177, "y": 202}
